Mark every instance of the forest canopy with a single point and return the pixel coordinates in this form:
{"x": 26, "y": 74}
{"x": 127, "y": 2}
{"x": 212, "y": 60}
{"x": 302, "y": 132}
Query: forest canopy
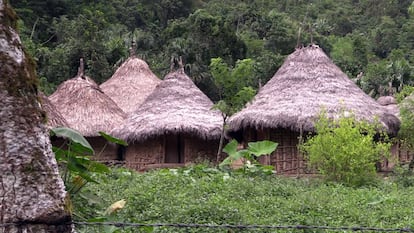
{"x": 371, "y": 40}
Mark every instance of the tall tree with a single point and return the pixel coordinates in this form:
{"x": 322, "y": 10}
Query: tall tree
{"x": 32, "y": 195}
{"x": 235, "y": 88}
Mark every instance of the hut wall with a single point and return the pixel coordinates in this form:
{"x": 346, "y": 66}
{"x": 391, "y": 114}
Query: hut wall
{"x": 399, "y": 155}
{"x": 286, "y": 159}
{"x": 139, "y": 155}
{"x": 404, "y": 155}
{"x": 152, "y": 153}
{"x": 197, "y": 150}
{"x": 104, "y": 150}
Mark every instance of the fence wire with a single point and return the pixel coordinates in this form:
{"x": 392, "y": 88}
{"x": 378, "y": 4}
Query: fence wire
{"x": 303, "y": 228}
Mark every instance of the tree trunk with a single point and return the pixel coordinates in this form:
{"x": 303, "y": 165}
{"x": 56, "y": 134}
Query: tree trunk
{"x": 32, "y": 195}
{"x": 220, "y": 149}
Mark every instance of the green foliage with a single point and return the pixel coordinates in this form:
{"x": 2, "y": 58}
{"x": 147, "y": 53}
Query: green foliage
{"x": 178, "y": 196}
{"x": 404, "y": 176}
{"x": 376, "y": 81}
{"x": 74, "y": 137}
{"x": 355, "y": 33}
{"x": 344, "y": 150}
{"x": 249, "y": 156}
{"x": 388, "y": 76}
{"x": 109, "y": 138}
{"x": 261, "y": 148}
{"x": 407, "y": 122}
{"x": 349, "y": 53}
{"x": 75, "y": 160}
{"x": 234, "y": 85}
{"x": 406, "y": 91}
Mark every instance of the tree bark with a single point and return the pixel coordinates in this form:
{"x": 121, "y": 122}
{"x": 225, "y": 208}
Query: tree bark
{"x": 32, "y": 195}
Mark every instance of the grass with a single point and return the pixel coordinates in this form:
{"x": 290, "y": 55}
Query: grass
{"x": 206, "y": 196}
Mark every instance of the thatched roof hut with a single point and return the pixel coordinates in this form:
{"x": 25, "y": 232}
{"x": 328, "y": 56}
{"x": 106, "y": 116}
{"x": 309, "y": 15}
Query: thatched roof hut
{"x": 131, "y": 83}
{"x": 390, "y": 104}
{"x": 307, "y": 82}
{"x": 85, "y": 107}
{"x": 175, "y": 125}
{"x": 54, "y": 117}
{"x": 175, "y": 106}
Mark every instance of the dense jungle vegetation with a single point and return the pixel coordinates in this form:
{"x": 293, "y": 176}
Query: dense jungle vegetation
{"x": 371, "y": 40}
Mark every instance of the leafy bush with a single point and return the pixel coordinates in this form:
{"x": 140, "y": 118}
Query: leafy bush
{"x": 404, "y": 176}
{"x": 406, "y": 133}
{"x": 344, "y": 150}
{"x": 406, "y": 91}
{"x": 407, "y": 122}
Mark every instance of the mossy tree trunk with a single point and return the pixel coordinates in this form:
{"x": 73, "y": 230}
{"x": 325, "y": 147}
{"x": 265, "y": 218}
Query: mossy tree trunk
{"x": 32, "y": 195}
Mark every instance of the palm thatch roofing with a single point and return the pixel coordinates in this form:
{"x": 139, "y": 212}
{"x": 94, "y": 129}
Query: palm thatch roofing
{"x": 54, "y": 117}
{"x": 390, "y": 104}
{"x": 306, "y": 83}
{"x": 131, "y": 83}
{"x": 85, "y": 107}
{"x": 175, "y": 106}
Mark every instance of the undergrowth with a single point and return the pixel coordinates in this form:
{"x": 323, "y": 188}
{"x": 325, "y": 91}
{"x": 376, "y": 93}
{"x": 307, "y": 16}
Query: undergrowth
{"x": 206, "y": 195}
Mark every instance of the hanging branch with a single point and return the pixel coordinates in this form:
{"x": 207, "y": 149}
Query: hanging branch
{"x": 33, "y": 28}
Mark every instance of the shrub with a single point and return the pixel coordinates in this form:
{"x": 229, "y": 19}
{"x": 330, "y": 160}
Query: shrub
{"x": 403, "y": 175}
{"x": 344, "y": 150}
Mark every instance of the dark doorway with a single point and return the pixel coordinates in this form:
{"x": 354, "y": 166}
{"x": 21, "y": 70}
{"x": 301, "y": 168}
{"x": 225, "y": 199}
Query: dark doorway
{"x": 174, "y": 149}
{"x": 121, "y": 153}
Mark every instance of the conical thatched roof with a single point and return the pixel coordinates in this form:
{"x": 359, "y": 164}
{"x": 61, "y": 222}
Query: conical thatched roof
{"x": 390, "y": 104}
{"x": 131, "y": 83}
{"x": 85, "y": 107}
{"x": 307, "y": 82}
{"x": 54, "y": 117}
{"x": 175, "y": 106}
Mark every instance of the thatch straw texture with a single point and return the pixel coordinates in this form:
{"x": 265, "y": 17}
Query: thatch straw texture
{"x": 390, "y": 104}
{"x": 54, "y": 117}
{"x": 85, "y": 107}
{"x": 307, "y": 82}
{"x": 131, "y": 83}
{"x": 175, "y": 106}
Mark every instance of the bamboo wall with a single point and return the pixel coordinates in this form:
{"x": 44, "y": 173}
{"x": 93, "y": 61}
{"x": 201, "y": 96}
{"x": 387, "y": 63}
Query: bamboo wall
{"x": 286, "y": 159}
{"x": 399, "y": 155}
{"x": 104, "y": 150}
{"x": 139, "y": 155}
{"x": 197, "y": 150}
{"x": 151, "y": 153}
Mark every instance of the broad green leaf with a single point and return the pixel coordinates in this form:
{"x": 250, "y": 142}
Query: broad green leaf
{"x": 262, "y": 147}
{"x": 240, "y": 154}
{"x": 226, "y": 162}
{"x": 60, "y": 154}
{"x": 78, "y": 149}
{"x": 109, "y": 138}
{"x": 72, "y": 135}
{"x": 231, "y": 148}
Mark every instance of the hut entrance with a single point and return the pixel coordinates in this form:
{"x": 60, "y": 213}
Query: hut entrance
{"x": 174, "y": 149}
